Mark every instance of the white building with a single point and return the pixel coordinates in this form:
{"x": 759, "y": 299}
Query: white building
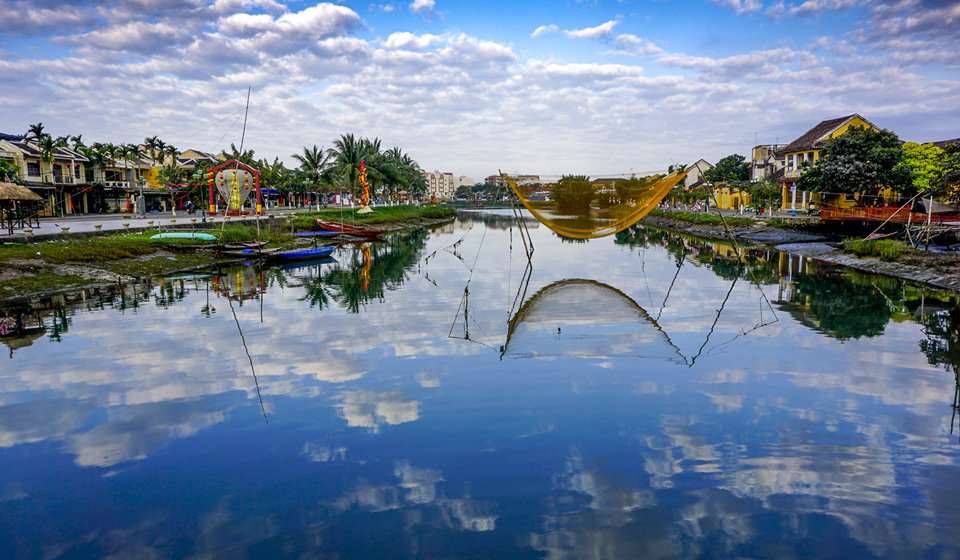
{"x": 440, "y": 184}
{"x": 463, "y": 181}
{"x": 695, "y": 172}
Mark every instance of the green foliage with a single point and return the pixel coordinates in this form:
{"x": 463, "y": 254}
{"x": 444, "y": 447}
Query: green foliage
{"x": 862, "y": 161}
{"x": 924, "y": 163}
{"x": 574, "y": 193}
{"x": 731, "y": 168}
{"x": 886, "y": 249}
{"x": 764, "y": 194}
{"x": 9, "y": 171}
{"x": 947, "y": 184}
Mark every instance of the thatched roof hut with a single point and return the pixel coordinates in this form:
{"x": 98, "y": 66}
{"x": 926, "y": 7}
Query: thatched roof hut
{"x": 10, "y": 191}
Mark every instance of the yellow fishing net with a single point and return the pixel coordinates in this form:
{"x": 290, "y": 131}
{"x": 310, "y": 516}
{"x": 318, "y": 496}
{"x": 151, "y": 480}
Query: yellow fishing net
{"x": 578, "y": 207}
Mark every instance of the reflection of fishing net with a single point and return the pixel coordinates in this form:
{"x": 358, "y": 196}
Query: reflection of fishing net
{"x": 584, "y": 318}
{"x": 582, "y": 208}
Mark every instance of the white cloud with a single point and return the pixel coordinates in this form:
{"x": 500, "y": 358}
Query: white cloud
{"x": 403, "y": 39}
{"x": 543, "y": 30}
{"x": 25, "y": 18}
{"x": 595, "y": 32}
{"x": 741, "y": 6}
{"x": 134, "y": 36}
{"x": 423, "y": 5}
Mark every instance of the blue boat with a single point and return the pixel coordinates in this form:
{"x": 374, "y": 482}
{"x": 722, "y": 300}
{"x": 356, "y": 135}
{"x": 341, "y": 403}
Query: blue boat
{"x": 321, "y": 233}
{"x": 304, "y": 254}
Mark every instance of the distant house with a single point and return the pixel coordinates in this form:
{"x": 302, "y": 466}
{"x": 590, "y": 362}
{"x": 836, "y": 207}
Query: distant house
{"x": 63, "y": 182}
{"x": 695, "y": 173}
{"x": 767, "y": 162}
{"x": 806, "y": 150}
{"x": 190, "y": 158}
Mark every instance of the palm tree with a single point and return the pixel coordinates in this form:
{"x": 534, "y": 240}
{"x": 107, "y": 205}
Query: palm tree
{"x": 36, "y": 132}
{"x": 314, "y": 163}
{"x": 246, "y": 156}
{"x": 171, "y": 151}
{"x": 77, "y": 142}
{"x": 347, "y": 153}
{"x": 48, "y": 145}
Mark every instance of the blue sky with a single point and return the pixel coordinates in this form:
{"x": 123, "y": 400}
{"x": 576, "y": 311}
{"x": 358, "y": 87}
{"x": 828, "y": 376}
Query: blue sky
{"x": 471, "y": 87}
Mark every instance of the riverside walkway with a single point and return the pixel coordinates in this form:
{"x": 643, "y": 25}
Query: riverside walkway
{"x": 52, "y": 228}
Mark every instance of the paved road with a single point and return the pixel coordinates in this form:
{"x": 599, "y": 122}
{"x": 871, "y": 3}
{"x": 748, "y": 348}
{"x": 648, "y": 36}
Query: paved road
{"x": 85, "y": 224}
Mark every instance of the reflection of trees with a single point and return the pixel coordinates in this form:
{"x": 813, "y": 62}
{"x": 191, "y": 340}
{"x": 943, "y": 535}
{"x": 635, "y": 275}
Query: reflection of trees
{"x": 942, "y": 343}
{"x": 721, "y": 257}
{"x": 838, "y": 306}
{"x": 368, "y": 274}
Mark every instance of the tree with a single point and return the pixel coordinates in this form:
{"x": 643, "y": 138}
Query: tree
{"x": 246, "y": 156}
{"x": 947, "y": 184}
{"x": 731, "y": 168}
{"x": 36, "y": 132}
{"x": 9, "y": 171}
{"x": 313, "y": 163}
{"x": 862, "y": 161}
{"x": 924, "y": 163}
{"x": 464, "y": 192}
{"x": 764, "y": 194}
{"x": 573, "y": 193}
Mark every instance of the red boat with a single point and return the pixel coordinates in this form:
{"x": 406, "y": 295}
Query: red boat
{"x": 365, "y": 232}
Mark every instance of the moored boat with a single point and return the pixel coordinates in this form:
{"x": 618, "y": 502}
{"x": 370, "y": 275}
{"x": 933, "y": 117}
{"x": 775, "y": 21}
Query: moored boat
{"x": 366, "y": 232}
{"x": 304, "y": 254}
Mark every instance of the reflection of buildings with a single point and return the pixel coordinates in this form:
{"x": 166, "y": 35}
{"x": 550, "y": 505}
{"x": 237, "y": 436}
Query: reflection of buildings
{"x": 240, "y": 284}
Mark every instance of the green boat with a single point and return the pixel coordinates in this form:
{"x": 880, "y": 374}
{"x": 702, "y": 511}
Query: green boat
{"x": 184, "y": 235}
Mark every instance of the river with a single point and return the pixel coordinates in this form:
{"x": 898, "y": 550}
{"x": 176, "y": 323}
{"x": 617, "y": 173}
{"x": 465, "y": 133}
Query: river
{"x": 437, "y": 395}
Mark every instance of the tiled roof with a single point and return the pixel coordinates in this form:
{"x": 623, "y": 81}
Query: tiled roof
{"x": 809, "y": 139}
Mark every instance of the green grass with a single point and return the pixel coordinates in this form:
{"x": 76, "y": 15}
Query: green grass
{"x": 382, "y": 215}
{"x": 886, "y": 249}
{"x": 702, "y": 218}
{"x": 101, "y": 249}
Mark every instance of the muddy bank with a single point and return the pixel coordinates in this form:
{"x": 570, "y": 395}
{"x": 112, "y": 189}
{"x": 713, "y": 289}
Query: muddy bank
{"x": 757, "y": 232}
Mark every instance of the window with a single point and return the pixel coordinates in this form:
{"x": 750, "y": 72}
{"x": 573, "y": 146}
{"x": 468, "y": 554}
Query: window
{"x": 33, "y": 168}
{"x": 76, "y": 171}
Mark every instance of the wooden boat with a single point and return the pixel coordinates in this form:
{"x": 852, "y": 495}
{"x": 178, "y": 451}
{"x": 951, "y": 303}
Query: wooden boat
{"x": 365, "y": 232}
{"x": 304, "y": 254}
{"x": 250, "y": 253}
{"x": 241, "y": 246}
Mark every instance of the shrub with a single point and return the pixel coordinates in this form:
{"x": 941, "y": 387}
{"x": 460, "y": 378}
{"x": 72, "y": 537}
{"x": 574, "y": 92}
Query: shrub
{"x": 886, "y": 249}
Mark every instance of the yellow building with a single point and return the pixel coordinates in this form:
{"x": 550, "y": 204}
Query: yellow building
{"x": 731, "y": 199}
{"x": 806, "y": 150}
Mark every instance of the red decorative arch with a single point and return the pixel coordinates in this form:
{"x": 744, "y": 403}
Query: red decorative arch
{"x": 232, "y": 163}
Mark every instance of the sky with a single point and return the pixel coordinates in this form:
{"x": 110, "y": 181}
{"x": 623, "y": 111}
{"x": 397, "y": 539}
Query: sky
{"x": 596, "y": 87}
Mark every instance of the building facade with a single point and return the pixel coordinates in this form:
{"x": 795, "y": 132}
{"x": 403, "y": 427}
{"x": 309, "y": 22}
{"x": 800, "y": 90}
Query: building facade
{"x": 805, "y": 151}
{"x": 440, "y": 184}
{"x": 767, "y": 162}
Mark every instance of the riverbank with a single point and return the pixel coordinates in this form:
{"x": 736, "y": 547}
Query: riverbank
{"x": 29, "y": 270}
{"x": 769, "y": 231}
{"x": 934, "y": 269}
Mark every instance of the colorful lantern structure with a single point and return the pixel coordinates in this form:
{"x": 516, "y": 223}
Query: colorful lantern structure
{"x": 233, "y": 181}
{"x": 364, "y": 190}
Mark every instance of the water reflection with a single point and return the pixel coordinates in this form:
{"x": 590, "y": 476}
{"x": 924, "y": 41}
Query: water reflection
{"x": 130, "y": 425}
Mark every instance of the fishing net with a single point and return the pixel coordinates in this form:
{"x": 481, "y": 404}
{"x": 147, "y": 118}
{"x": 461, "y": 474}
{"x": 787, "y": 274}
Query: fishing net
{"x": 578, "y": 207}
{"x": 585, "y": 318}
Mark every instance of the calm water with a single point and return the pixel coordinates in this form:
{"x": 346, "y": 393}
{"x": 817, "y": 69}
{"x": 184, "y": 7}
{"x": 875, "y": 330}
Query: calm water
{"x": 622, "y": 398}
